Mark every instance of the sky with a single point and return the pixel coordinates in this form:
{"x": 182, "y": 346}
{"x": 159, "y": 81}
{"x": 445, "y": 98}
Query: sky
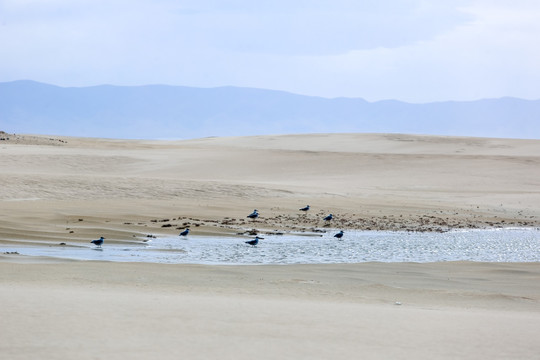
{"x": 410, "y": 50}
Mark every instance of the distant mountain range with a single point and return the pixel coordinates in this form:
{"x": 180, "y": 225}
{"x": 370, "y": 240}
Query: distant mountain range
{"x": 159, "y": 111}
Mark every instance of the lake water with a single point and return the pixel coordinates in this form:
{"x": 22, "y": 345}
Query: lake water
{"x": 503, "y": 245}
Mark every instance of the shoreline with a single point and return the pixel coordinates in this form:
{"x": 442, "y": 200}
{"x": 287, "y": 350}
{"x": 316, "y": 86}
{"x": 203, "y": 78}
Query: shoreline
{"x": 74, "y": 228}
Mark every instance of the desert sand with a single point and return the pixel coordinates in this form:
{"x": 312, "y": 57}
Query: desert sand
{"x": 61, "y": 189}
{"x": 74, "y": 188}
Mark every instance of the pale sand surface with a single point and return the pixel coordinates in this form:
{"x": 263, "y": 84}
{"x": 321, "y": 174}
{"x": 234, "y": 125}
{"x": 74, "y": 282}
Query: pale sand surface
{"x": 75, "y": 190}
{"x": 93, "y": 310}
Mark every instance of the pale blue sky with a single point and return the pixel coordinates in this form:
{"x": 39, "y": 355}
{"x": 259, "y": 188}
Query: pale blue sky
{"x": 410, "y": 50}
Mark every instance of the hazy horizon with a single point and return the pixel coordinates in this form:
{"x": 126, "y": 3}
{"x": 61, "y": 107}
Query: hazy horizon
{"x": 161, "y": 111}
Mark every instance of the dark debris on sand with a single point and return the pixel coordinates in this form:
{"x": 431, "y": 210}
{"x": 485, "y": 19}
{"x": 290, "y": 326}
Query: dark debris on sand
{"x": 276, "y": 223}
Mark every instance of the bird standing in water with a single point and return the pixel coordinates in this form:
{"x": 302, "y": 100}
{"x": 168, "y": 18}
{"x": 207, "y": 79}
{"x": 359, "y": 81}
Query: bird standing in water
{"x": 253, "y": 242}
{"x": 339, "y": 235}
{"x": 98, "y": 242}
{"x": 184, "y": 233}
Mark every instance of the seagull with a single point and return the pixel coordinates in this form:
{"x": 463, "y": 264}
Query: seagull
{"x": 184, "y": 233}
{"x": 98, "y": 242}
{"x": 305, "y": 208}
{"x": 254, "y": 214}
{"x": 254, "y": 241}
{"x": 328, "y": 218}
{"x": 339, "y": 235}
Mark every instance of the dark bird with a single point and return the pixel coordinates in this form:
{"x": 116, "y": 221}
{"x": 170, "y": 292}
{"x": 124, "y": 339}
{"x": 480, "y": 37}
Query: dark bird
{"x": 254, "y": 241}
{"x": 328, "y": 218}
{"x": 254, "y": 214}
{"x": 339, "y": 235}
{"x": 98, "y": 242}
{"x": 305, "y": 208}
{"x": 184, "y": 233}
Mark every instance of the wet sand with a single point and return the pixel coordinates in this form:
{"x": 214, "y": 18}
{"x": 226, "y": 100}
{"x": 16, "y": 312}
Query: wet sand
{"x": 73, "y": 190}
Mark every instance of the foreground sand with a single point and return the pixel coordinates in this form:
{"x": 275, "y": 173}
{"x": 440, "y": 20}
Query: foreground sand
{"x": 92, "y": 310}
{"x": 73, "y": 190}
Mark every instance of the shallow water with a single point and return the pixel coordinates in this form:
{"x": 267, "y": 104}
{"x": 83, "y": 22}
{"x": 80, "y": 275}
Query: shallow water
{"x": 504, "y": 245}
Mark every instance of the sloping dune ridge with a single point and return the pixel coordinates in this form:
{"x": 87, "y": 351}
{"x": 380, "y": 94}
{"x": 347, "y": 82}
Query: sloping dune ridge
{"x": 62, "y": 189}
{"x": 369, "y": 181}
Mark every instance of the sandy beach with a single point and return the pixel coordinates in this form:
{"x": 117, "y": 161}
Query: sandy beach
{"x": 71, "y": 190}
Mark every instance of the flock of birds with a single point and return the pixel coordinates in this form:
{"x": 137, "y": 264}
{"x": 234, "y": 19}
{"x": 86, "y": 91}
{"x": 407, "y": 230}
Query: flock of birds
{"x": 254, "y": 242}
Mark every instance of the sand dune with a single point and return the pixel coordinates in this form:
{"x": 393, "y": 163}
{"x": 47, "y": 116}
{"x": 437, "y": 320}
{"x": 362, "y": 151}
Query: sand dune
{"x": 370, "y": 181}
{"x": 74, "y": 189}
